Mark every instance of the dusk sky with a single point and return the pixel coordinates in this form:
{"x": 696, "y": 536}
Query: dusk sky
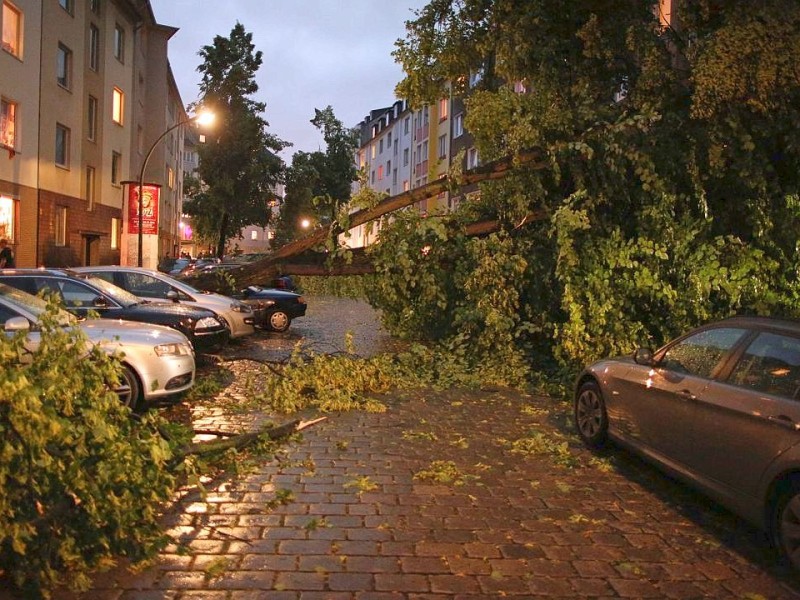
{"x": 316, "y": 53}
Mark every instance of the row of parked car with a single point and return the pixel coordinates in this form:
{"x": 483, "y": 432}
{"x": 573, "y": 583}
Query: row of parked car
{"x": 159, "y": 322}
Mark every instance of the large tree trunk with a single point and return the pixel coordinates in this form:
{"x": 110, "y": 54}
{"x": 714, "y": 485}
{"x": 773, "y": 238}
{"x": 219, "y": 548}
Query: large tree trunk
{"x": 223, "y": 236}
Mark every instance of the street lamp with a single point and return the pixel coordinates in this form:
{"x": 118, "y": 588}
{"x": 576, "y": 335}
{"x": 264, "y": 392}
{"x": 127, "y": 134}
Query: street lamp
{"x": 201, "y": 118}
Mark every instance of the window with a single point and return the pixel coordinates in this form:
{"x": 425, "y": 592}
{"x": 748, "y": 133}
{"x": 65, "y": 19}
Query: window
{"x": 8, "y": 218}
{"x": 61, "y": 225}
{"x": 406, "y": 186}
{"x": 458, "y": 125}
{"x": 94, "y": 47}
{"x": 699, "y": 354}
{"x": 442, "y": 146}
{"x": 63, "y": 66}
{"x": 12, "y": 29}
{"x": 90, "y": 187}
{"x": 8, "y": 123}
{"x": 394, "y": 177}
{"x": 62, "y": 145}
{"x": 372, "y": 177}
{"x": 770, "y": 365}
{"x": 94, "y": 6}
{"x": 66, "y": 5}
{"x": 388, "y": 167}
{"x": 91, "y": 116}
{"x": 405, "y": 157}
{"x": 116, "y": 165}
{"x": 374, "y": 150}
{"x": 406, "y": 125}
{"x": 116, "y": 228}
{"x": 520, "y": 87}
{"x": 472, "y": 158}
{"x": 665, "y": 12}
{"x": 380, "y": 172}
{"x": 395, "y": 147}
{"x": 117, "y": 106}
{"x": 443, "y": 107}
{"x": 170, "y": 177}
{"x": 119, "y": 43}
{"x": 254, "y": 235}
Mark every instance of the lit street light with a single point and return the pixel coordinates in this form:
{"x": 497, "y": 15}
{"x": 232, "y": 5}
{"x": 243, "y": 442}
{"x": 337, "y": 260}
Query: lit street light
{"x": 305, "y": 223}
{"x": 201, "y": 118}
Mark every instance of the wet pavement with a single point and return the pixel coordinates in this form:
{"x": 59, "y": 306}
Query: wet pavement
{"x": 445, "y": 495}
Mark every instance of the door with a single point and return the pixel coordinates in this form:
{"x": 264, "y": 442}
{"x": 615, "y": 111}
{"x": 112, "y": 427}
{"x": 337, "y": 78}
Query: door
{"x": 662, "y": 401}
{"x": 743, "y": 423}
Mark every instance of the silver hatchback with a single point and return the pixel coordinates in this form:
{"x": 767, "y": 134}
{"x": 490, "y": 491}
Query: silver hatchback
{"x": 719, "y": 408}
{"x": 156, "y": 361}
{"x": 147, "y": 284}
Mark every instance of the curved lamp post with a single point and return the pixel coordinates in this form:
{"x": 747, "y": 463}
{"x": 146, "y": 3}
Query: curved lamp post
{"x": 201, "y": 118}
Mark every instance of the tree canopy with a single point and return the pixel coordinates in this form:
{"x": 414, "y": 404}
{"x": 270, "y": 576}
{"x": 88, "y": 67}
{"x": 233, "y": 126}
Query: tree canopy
{"x": 673, "y": 182}
{"x": 239, "y": 165}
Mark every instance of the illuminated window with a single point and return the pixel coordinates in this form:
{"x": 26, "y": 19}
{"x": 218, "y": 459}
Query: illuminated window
{"x": 665, "y": 12}
{"x": 170, "y": 178}
{"x": 116, "y": 165}
{"x": 380, "y": 172}
{"x": 61, "y": 225}
{"x": 8, "y": 218}
{"x": 63, "y": 66}
{"x": 62, "y": 146}
{"x": 116, "y": 227}
{"x": 118, "y": 106}
{"x": 90, "y": 187}
{"x": 8, "y": 123}
{"x": 91, "y": 116}
{"x": 254, "y": 235}
{"x": 374, "y": 150}
{"x": 94, "y": 47}
{"x": 12, "y": 29}
{"x": 443, "y": 107}
{"x": 520, "y": 87}
{"x": 119, "y": 43}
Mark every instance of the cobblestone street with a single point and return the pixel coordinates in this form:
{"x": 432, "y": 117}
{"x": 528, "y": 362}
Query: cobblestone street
{"x": 445, "y": 495}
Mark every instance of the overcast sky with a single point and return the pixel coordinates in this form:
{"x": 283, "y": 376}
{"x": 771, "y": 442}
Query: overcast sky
{"x": 315, "y": 53}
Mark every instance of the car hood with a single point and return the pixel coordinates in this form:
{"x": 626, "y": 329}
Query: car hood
{"x": 130, "y": 332}
{"x": 273, "y": 293}
{"x": 216, "y": 302}
{"x": 172, "y": 308}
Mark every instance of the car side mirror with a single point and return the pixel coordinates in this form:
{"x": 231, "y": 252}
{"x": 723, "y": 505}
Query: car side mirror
{"x": 643, "y": 356}
{"x": 17, "y": 324}
{"x": 100, "y": 302}
{"x": 172, "y": 295}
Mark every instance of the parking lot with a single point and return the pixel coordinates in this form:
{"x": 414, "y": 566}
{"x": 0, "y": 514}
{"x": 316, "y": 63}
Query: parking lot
{"x": 445, "y": 495}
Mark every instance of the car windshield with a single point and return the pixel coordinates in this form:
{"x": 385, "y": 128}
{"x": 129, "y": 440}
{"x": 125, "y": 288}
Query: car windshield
{"x": 33, "y": 304}
{"x": 119, "y": 295}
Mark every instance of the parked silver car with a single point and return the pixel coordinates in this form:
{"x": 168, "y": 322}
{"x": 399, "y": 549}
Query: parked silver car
{"x": 157, "y": 361}
{"x": 147, "y": 284}
{"x": 720, "y": 408}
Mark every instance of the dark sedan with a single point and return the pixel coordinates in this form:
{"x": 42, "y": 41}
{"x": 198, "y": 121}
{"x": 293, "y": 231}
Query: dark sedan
{"x": 81, "y": 294}
{"x": 720, "y": 408}
{"x": 274, "y": 309}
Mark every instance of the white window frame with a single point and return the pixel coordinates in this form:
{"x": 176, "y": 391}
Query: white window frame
{"x": 94, "y": 47}
{"x": 64, "y": 69}
{"x": 8, "y": 124}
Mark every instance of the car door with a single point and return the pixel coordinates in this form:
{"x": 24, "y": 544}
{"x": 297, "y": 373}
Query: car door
{"x": 144, "y": 285}
{"x": 752, "y": 416}
{"x": 660, "y": 401}
{"x": 78, "y": 297}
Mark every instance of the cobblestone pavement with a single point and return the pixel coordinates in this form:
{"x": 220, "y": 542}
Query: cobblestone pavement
{"x": 452, "y": 495}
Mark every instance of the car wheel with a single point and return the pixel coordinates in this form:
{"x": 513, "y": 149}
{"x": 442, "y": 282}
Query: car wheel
{"x": 129, "y": 390}
{"x": 278, "y": 321}
{"x": 786, "y": 524}
{"x": 591, "y": 418}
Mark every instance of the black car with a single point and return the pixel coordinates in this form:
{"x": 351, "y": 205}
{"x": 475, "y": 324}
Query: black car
{"x": 82, "y": 293}
{"x": 273, "y": 309}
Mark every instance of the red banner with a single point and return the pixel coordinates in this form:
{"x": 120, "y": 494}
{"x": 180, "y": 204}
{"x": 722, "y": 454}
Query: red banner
{"x": 149, "y": 209}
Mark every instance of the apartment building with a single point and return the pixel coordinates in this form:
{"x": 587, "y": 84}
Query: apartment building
{"x": 84, "y": 87}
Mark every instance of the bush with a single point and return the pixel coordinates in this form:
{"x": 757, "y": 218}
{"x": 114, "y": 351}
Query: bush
{"x": 82, "y": 480}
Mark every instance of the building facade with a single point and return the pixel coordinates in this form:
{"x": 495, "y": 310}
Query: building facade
{"x": 84, "y": 86}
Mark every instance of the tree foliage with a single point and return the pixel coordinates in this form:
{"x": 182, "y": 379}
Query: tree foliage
{"x": 672, "y": 188}
{"x": 318, "y": 183}
{"x": 239, "y": 166}
{"x": 81, "y": 480}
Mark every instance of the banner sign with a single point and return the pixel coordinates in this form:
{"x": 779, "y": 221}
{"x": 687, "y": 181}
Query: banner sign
{"x": 149, "y": 209}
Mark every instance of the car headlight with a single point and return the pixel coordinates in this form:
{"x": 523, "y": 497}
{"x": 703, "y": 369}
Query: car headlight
{"x": 241, "y": 307}
{"x": 176, "y": 349}
{"x": 208, "y": 323}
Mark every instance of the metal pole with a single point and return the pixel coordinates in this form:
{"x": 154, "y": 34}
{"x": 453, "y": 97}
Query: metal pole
{"x": 141, "y": 183}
